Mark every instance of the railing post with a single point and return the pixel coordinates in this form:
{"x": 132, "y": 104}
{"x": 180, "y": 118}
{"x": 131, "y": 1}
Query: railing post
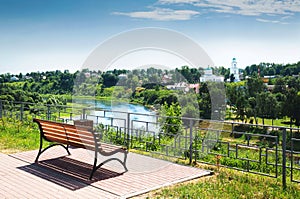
{"x": 83, "y": 113}
{"x": 48, "y": 112}
{"x": 284, "y": 158}
{"x": 191, "y": 142}
{"x": 128, "y": 129}
{"x": 0, "y": 109}
{"x": 147, "y": 126}
{"x": 21, "y": 111}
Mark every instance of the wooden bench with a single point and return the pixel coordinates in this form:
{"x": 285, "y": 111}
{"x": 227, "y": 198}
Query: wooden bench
{"x": 67, "y": 135}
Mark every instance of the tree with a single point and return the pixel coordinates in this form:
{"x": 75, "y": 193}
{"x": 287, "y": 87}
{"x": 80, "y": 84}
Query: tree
{"x": 132, "y": 81}
{"x": 251, "y": 110}
{"x": 171, "y": 120}
{"x": 255, "y": 86}
{"x": 267, "y": 106}
{"x": 291, "y": 106}
{"x": 279, "y": 86}
{"x": 109, "y": 79}
{"x": 294, "y": 82}
{"x": 241, "y": 105}
{"x": 236, "y": 98}
{"x": 232, "y": 78}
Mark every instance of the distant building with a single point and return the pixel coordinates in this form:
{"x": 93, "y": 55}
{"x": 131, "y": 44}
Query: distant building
{"x": 122, "y": 76}
{"x": 183, "y": 86}
{"x": 210, "y": 77}
{"x": 14, "y": 78}
{"x": 178, "y": 86}
{"x": 166, "y": 78}
{"x": 87, "y": 75}
{"x": 234, "y": 70}
{"x": 195, "y": 87}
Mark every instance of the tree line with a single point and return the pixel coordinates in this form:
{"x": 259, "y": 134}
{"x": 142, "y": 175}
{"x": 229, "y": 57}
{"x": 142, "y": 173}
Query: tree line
{"x": 247, "y": 99}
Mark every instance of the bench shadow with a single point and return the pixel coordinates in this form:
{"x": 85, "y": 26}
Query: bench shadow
{"x": 67, "y": 172}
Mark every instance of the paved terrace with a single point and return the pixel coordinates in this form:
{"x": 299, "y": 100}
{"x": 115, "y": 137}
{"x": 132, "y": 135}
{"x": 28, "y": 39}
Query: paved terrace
{"x": 61, "y": 176}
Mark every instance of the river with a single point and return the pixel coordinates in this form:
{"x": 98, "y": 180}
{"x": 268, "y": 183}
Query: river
{"x": 116, "y": 113}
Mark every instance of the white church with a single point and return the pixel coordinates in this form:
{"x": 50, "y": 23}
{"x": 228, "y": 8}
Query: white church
{"x": 234, "y": 70}
{"x": 210, "y": 77}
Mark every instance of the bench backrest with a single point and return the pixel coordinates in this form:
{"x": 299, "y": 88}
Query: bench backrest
{"x": 74, "y": 135}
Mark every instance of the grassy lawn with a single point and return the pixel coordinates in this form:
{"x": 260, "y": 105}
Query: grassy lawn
{"x": 16, "y": 136}
{"x": 227, "y": 183}
{"x": 277, "y": 122}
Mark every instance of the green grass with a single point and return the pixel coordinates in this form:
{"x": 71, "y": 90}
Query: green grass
{"x": 227, "y": 183}
{"x": 16, "y": 136}
{"x": 277, "y": 122}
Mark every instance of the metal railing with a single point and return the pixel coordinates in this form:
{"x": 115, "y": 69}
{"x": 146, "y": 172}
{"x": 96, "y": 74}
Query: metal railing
{"x": 272, "y": 151}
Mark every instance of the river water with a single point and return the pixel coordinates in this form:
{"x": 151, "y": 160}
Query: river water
{"x": 116, "y": 114}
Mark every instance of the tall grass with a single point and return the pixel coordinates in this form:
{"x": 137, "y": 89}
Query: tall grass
{"x": 16, "y": 135}
{"x": 228, "y": 183}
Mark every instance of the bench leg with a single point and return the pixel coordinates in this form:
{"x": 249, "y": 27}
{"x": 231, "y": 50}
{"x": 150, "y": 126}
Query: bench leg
{"x": 96, "y": 167}
{"x": 125, "y": 159}
{"x": 40, "y": 149}
{"x": 68, "y": 149}
{"x": 43, "y": 150}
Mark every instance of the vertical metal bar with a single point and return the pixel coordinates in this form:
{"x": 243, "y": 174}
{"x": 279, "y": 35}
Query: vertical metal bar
{"x": 196, "y": 151}
{"x": 284, "y": 158}
{"x": 21, "y": 111}
{"x": 0, "y": 109}
{"x": 48, "y": 112}
{"x": 276, "y": 155}
{"x": 228, "y": 149}
{"x": 128, "y": 128}
{"x": 83, "y": 114}
{"x": 248, "y": 139}
{"x": 191, "y": 141}
{"x": 147, "y": 126}
{"x": 292, "y": 158}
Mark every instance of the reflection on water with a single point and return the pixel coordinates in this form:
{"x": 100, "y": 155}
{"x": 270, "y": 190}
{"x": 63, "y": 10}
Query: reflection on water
{"x": 116, "y": 114}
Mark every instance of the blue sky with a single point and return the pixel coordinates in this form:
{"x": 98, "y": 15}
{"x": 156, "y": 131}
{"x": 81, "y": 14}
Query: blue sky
{"x": 44, "y": 35}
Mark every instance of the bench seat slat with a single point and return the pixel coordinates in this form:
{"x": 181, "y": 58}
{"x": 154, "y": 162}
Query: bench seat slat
{"x": 53, "y": 131}
{"x": 79, "y": 140}
{"x": 81, "y": 135}
{"x": 105, "y": 146}
{"x": 52, "y": 134}
{"x": 56, "y": 139}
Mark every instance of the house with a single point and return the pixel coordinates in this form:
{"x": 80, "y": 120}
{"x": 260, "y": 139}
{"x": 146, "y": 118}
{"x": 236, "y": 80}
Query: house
{"x": 166, "y": 78}
{"x": 14, "y": 78}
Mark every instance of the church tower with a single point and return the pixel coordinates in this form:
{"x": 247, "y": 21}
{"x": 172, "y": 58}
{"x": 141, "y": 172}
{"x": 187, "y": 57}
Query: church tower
{"x": 234, "y": 70}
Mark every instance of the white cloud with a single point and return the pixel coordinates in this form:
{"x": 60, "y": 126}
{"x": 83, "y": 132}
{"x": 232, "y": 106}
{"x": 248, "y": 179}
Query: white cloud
{"x": 267, "y": 21}
{"x": 161, "y": 14}
{"x": 176, "y": 1}
{"x": 244, "y": 7}
{"x": 279, "y": 10}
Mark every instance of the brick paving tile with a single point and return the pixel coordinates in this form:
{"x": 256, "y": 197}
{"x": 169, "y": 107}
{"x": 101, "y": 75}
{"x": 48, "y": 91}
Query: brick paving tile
{"x": 60, "y": 176}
